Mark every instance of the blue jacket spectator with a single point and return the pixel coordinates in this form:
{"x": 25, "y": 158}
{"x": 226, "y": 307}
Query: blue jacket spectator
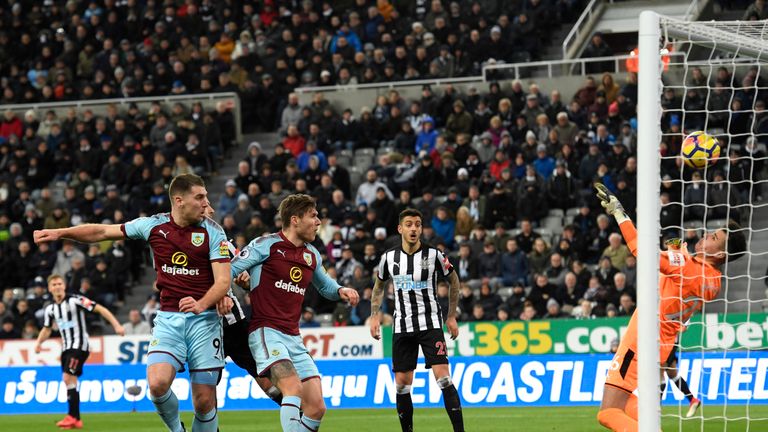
{"x": 514, "y": 265}
{"x": 302, "y": 162}
{"x": 544, "y": 164}
{"x": 426, "y": 139}
{"x": 444, "y": 226}
{"x": 228, "y": 200}
{"x": 351, "y": 38}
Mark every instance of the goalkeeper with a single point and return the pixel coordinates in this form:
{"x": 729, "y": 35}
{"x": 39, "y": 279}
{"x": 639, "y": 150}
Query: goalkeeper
{"x": 685, "y": 282}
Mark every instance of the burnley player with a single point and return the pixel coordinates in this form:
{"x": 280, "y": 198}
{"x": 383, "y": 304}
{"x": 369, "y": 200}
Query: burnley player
{"x": 68, "y": 312}
{"x": 685, "y": 282}
{"x": 236, "y": 333}
{"x": 280, "y": 268}
{"x": 193, "y": 273}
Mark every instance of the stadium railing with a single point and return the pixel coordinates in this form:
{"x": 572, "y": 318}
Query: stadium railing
{"x": 99, "y": 106}
{"x": 579, "y": 31}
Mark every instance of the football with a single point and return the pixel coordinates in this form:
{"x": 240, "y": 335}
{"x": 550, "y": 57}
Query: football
{"x": 700, "y": 149}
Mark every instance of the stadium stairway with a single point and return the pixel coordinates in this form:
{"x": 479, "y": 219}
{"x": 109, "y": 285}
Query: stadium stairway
{"x": 215, "y": 185}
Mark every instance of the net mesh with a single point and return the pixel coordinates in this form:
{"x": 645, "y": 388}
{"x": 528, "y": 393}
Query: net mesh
{"x": 715, "y": 82}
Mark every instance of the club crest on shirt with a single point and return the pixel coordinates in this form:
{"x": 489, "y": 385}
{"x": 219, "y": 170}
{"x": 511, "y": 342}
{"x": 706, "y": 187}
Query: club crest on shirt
{"x": 198, "y": 239}
{"x": 308, "y": 258}
{"x": 223, "y": 249}
{"x": 676, "y": 259}
{"x": 425, "y": 262}
{"x": 275, "y": 352}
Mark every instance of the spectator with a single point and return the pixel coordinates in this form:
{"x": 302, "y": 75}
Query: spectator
{"x": 308, "y": 318}
{"x": 514, "y": 265}
{"x": 553, "y": 310}
{"x": 291, "y": 114}
{"x": 616, "y": 251}
{"x": 444, "y": 226}
{"x": 9, "y": 330}
{"x": 228, "y": 201}
{"x": 489, "y": 261}
{"x": 569, "y": 293}
{"x": 366, "y": 192}
{"x": 135, "y": 325}
{"x": 597, "y": 48}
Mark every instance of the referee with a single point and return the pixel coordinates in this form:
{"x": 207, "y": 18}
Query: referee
{"x": 413, "y": 268}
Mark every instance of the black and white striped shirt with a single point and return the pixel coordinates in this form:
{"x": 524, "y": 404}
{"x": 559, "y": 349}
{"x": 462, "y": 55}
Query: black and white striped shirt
{"x": 415, "y": 282}
{"x": 236, "y": 314}
{"x": 69, "y": 316}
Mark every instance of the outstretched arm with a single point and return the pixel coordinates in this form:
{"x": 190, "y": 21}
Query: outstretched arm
{"x": 104, "y": 312}
{"x": 613, "y": 207}
{"x": 88, "y": 233}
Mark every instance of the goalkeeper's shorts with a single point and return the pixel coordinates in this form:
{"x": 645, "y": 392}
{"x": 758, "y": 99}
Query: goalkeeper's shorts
{"x": 623, "y": 371}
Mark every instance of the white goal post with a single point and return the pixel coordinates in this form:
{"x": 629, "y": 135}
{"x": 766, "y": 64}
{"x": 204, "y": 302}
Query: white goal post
{"x": 648, "y": 169}
{"x": 738, "y": 48}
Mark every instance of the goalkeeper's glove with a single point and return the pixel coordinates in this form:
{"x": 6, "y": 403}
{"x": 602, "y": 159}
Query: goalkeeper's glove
{"x": 610, "y": 203}
{"x": 674, "y": 243}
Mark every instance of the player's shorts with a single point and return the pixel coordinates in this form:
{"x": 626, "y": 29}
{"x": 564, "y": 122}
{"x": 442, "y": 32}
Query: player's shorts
{"x": 183, "y": 338}
{"x": 672, "y": 358}
{"x": 623, "y": 371}
{"x": 236, "y": 346}
{"x": 72, "y": 361}
{"x": 405, "y": 349}
{"x": 270, "y": 346}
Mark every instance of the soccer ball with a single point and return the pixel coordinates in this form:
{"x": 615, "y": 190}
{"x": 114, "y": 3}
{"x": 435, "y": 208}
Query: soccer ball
{"x": 700, "y": 149}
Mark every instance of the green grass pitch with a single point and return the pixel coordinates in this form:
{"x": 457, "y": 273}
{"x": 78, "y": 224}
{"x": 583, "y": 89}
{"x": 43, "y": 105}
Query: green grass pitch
{"x": 425, "y": 420}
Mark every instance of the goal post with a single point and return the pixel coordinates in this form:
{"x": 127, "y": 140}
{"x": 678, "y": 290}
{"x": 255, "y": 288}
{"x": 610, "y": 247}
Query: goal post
{"x": 648, "y": 169}
{"x": 714, "y": 82}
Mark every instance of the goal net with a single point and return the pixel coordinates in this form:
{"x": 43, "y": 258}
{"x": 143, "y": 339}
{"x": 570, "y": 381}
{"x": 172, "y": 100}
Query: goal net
{"x": 708, "y": 76}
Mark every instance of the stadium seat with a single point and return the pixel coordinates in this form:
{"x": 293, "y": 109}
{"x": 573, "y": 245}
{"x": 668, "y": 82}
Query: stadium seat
{"x": 356, "y": 176}
{"x": 384, "y": 150}
{"x": 717, "y": 223}
{"x": 363, "y": 161}
{"x": 365, "y": 151}
{"x": 505, "y": 292}
{"x": 556, "y": 213}
{"x": 546, "y": 234}
{"x": 347, "y": 153}
{"x": 344, "y": 160}
{"x": 573, "y": 211}
{"x": 325, "y": 320}
{"x": 567, "y": 220}
{"x": 553, "y": 224}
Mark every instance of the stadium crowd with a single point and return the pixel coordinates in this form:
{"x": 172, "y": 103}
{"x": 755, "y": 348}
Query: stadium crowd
{"x": 60, "y": 51}
{"x": 488, "y": 169}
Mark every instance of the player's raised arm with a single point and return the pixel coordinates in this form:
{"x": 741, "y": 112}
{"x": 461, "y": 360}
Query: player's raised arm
{"x": 87, "y": 233}
{"x": 613, "y": 207}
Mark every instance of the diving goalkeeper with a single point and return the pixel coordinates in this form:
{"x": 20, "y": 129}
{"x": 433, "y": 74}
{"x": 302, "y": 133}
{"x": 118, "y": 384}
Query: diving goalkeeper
{"x": 685, "y": 283}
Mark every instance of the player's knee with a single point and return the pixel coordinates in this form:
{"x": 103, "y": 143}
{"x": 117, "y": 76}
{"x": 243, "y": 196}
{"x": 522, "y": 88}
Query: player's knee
{"x": 159, "y": 386}
{"x": 602, "y": 418}
{"x": 402, "y": 389}
{"x": 316, "y": 410}
{"x": 444, "y": 382}
{"x": 204, "y": 402}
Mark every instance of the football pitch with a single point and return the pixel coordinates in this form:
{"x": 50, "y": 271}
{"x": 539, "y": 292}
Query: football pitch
{"x": 425, "y": 420}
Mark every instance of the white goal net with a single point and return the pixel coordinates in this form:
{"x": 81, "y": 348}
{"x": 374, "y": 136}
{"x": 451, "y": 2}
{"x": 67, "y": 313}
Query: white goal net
{"x": 712, "y": 79}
